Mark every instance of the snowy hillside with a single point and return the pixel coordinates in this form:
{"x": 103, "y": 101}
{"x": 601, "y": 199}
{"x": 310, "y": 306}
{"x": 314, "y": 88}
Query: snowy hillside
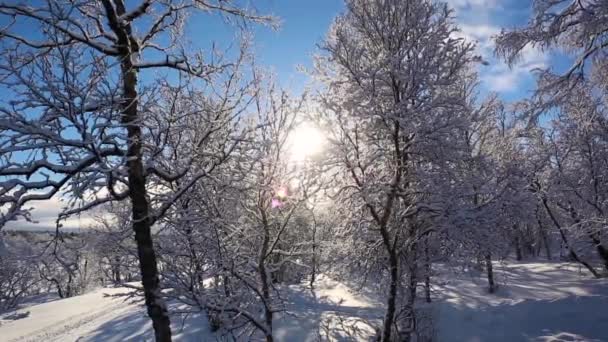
{"x": 534, "y": 302}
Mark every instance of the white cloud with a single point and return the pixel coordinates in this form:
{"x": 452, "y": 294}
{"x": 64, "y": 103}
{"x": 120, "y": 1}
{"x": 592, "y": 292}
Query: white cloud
{"x": 45, "y": 213}
{"x": 481, "y": 35}
{"x": 477, "y": 20}
{"x": 502, "y": 78}
{"x": 497, "y": 76}
{"x": 468, "y": 4}
{"x": 480, "y": 32}
{"x": 502, "y": 82}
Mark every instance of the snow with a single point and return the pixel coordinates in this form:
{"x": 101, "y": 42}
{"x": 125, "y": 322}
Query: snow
{"x": 95, "y": 316}
{"x": 331, "y": 304}
{"x": 535, "y": 302}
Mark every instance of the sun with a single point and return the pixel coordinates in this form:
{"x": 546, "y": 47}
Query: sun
{"x": 305, "y": 141}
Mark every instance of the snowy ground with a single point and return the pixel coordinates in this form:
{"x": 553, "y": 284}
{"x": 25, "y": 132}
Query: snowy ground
{"x": 535, "y": 302}
{"x": 95, "y": 316}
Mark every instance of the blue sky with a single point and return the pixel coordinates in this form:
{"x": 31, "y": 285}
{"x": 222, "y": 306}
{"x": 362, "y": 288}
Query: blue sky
{"x": 305, "y": 23}
{"x": 479, "y": 20}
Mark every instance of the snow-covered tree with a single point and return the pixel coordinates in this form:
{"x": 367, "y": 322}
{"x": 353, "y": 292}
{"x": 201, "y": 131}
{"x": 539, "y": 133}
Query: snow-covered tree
{"x": 575, "y": 27}
{"x": 81, "y": 116}
{"x": 18, "y": 277}
{"x": 111, "y": 242}
{"x": 573, "y": 102}
{"x": 392, "y": 73}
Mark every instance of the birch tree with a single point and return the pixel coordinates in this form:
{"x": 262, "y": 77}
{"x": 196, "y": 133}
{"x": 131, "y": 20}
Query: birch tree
{"x": 387, "y": 70}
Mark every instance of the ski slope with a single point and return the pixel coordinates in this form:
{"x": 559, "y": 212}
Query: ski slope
{"x": 535, "y": 302}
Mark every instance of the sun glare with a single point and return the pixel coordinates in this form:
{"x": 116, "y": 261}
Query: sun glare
{"x": 305, "y": 141}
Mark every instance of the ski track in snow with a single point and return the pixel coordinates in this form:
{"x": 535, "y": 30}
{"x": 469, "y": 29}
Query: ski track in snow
{"x": 57, "y": 331}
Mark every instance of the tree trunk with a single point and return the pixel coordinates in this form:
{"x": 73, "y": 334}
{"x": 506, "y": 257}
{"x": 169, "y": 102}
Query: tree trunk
{"x": 267, "y": 310}
{"x": 264, "y": 279}
{"x": 601, "y": 251}
{"x": 490, "y": 273}
{"x": 572, "y": 253}
{"x": 155, "y": 304}
{"x": 392, "y": 297}
{"x": 129, "y": 49}
{"x": 427, "y": 272}
{"x": 313, "y": 272}
{"x": 278, "y": 275}
{"x": 545, "y": 240}
{"x": 517, "y": 243}
{"x": 226, "y": 285}
{"x": 59, "y": 291}
{"x": 117, "y": 270}
{"x": 412, "y": 288}
{"x": 196, "y": 279}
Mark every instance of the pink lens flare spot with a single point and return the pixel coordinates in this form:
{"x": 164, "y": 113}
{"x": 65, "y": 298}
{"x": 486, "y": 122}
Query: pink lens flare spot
{"x": 276, "y": 203}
